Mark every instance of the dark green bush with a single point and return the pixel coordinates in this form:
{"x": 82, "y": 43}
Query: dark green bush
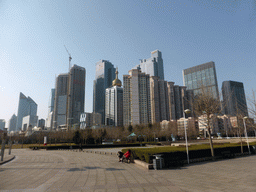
{"x": 178, "y": 154}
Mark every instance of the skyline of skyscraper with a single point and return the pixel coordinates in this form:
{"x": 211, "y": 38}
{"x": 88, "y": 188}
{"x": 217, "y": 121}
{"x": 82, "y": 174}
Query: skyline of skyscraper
{"x": 234, "y": 100}
{"x": 168, "y": 101}
{"x": 60, "y": 101}
{"x": 76, "y": 95}
{"x": 136, "y": 98}
{"x": 12, "y": 123}
{"x": 201, "y": 76}
{"x": 105, "y": 74}
{"x": 114, "y": 103}
{"x": 27, "y": 106}
{"x": 159, "y": 100}
{"x": 180, "y": 99}
{"x": 51, "y": 101}
{"x": 49, "y": 119}
{"x": 2, "y": 124}
{"x": 152, "y": 66}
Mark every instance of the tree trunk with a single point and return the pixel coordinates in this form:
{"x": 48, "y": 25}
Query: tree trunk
{"x": 210, "y": 137}
{"x": 242, "y": 150}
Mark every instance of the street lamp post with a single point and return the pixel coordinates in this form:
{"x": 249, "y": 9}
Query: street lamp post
{"x": 187, "y": 111}
{"x": 245, "y": 132}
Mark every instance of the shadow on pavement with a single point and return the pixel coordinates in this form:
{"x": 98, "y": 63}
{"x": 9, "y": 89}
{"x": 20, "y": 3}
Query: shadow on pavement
{"x": 113, "y": 169}
{"x": 89, "y": 168}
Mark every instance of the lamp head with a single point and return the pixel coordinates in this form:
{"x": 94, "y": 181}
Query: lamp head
{"x": 187, "y": 111}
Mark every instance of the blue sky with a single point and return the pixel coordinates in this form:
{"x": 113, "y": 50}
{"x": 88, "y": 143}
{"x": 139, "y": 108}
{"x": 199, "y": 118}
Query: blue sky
{"x": 188, "y": 33}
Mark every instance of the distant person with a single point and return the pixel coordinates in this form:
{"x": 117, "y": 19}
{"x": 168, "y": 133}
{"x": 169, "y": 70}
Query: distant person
{"x": 127, "y": 155}
{"x": 120, "y": 155}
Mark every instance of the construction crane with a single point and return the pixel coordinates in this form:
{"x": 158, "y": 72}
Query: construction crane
{"x": 70, "y": 58}
{"x": 68, "y": 93}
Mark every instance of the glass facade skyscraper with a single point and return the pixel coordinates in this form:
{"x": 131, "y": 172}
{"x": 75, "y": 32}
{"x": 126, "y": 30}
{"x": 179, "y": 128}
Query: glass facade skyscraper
{"x": 152, "y": 66}
{"x": 76, "y": 95}
{"x": 199, "y": 76}
{"x": 26, "y": 107}
{"x": 105, "y": 74}
{"x": 60, "y": 103}
{"x": 12, "y": 123}
{"x": 234, "y": 100}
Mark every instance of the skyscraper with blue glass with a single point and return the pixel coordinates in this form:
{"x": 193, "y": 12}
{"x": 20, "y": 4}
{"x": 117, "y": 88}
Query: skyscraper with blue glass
{"x": 27, "y": 106}
{"x": 204, "y": 75}
{"x": 234, "y": 100}
{"x": 105, "y": 74}
{"x": 152, "y": 66}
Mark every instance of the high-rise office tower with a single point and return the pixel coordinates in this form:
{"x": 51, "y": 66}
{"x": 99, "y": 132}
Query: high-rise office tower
{"x": 136, "y": 98}
{"x": 105, "y": 74}
{"x": 152, "y": 66}
{"x": 49, "y": 119}
{"x": 26, "y": 107}
{"x": 2, "y": 124}
{"x": 234, "y": 100}
{"x": 204, "y": 75}
{"x": 60, "y": 103}
{"x": 29, "y": 121}
{"x": 159, "y": 100}
{"x": 12, "y": 123}
{"x": 76, "y": 95}
{"x": 179, "y": 99}
{"x": 51, "y": 101}
{"x": 168, "y": 101}
{"x": 114, "y": 103}
{"x": 41, "y": 123}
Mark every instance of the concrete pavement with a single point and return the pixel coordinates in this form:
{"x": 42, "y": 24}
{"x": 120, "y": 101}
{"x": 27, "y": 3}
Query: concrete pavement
{"x": 81, "y": 171}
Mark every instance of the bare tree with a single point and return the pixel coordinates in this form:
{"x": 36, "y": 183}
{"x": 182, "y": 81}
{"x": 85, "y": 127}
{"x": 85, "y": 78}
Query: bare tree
{"x": 205, "y": 104}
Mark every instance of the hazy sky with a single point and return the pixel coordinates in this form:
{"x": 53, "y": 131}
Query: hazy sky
{"x": 188, "y": 33}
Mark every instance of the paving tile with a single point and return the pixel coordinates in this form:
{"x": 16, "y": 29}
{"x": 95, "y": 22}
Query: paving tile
{"x": 77, "y": 171}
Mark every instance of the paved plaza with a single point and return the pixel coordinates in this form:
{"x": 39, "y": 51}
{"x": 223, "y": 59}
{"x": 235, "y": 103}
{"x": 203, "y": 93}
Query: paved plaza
{"x": 81, "y": 171}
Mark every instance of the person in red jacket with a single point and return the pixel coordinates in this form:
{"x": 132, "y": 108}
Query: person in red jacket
{"x": 127, "y": 155}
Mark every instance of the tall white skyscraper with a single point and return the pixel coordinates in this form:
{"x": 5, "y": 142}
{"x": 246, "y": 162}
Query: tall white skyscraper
{"x": 152, "y": 66}
{"x": 26, "y": 107}
{"x": 136, "y": 101}
{"x": 114, "y": 103}
{"x": 49, "y": 119}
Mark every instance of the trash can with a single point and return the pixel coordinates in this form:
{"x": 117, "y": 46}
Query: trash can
{"x": 253, "y": 151}
{"x": 158, "y": 162}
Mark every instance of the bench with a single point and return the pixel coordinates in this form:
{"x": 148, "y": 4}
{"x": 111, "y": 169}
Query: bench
{"x": 127, "y": 160}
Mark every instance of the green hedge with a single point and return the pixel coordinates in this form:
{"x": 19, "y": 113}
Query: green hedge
{"x": 179, "y": 152}
{"x": 85, "y": 146}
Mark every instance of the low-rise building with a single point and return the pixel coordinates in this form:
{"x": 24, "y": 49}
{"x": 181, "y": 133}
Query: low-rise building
{"x": 88, "y": 120}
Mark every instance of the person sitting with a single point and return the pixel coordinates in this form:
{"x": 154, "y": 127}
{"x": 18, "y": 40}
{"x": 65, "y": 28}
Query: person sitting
{"x": 120, "y": 155}
{"x": 126, "y": 155}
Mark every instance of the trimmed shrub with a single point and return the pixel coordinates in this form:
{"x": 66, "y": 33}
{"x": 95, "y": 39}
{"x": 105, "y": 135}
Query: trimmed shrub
{"x": 174, "y": 156}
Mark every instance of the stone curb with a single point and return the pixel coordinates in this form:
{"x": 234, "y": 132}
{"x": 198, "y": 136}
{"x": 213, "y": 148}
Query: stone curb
{"x": 143, "y": 164}
{"x": 6, "y": 161}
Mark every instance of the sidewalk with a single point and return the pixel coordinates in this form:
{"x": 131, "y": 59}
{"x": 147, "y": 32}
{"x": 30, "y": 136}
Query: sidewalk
{"x": 93, "y": 172}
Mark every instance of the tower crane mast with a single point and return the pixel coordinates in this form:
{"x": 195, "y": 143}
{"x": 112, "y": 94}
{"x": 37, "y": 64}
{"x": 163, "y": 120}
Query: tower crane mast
{"x": 68, "y": 118}
{"x": 70, "y": 58}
